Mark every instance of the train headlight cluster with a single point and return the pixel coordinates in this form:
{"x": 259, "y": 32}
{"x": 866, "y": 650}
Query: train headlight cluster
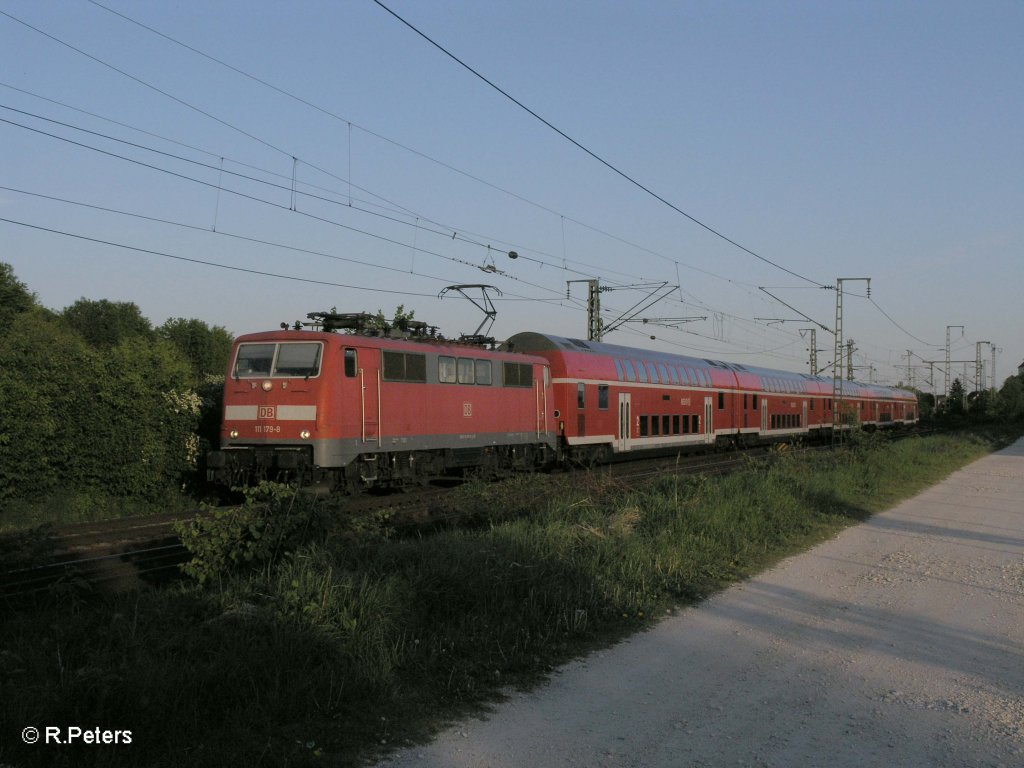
{"x": 304, "y": 434}
{"x": 267, "y": 386}
{"x": 233, "y": 434}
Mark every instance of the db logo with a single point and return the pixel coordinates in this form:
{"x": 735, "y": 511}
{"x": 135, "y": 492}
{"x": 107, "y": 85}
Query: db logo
{"x": 467, "y": 409}
{"x": 266, "y": 412}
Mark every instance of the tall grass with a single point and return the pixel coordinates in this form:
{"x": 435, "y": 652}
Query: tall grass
{"x": 345, "y": 647}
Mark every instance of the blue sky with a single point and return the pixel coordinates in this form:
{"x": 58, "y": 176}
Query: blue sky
{"x": 832, "y": 139}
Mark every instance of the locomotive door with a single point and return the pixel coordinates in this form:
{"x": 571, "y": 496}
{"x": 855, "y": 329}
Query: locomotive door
{"x": 709, "y": 428}
{"x": 624, "y": 421}
{"x": 369, "y": 398}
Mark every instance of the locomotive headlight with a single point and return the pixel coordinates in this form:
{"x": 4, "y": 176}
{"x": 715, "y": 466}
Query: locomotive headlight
{"x": 233, "y": 434}
{"x": 267, "y": 386}
{"x": 304, "y": 434}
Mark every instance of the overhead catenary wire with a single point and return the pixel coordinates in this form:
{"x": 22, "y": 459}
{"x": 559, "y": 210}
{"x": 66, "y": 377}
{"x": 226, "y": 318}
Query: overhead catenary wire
{"x": 593, "y": 154}
{"x": 281, "y": 187}
{"x": 179, "y": 100}
{"x": 584, "y": 264}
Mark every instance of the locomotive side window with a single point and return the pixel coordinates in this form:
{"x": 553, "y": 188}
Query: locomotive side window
{"x": 254, "y": 360}
{"x": 302, "y": 359}
{"x": 483, "y": 372}
{"x": 351, "y": 363}
{"x": 446, "y": 372}
{"x": 517, "y": 374}
{"x": 405, "y": 366}
{"x": 466, "y": 371}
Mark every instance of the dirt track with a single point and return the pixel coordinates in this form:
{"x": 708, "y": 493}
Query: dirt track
{"x": 899, "y": 643}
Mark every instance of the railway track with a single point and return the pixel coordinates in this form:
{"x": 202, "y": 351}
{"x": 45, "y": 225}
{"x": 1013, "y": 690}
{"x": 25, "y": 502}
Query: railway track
{"x": 135, "y": 553}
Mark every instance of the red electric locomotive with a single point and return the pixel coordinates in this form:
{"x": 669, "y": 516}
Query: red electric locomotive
{"x": 377, "y": 408}
{"x": 611, "y": 399}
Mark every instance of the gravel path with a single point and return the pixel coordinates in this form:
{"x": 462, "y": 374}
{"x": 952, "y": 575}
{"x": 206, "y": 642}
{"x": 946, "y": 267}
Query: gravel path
{"x": 898, "y": 643}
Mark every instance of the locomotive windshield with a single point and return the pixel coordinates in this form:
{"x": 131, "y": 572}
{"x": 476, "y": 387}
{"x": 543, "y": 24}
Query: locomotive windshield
{"x": 285, "y": 359}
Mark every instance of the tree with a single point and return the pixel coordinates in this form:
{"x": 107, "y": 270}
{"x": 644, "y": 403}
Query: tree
{"x": 105, "y": 324}
{"x": 15, "y": 297}
{"x": 207, "y": 348}
{"x": 955, "y": 401}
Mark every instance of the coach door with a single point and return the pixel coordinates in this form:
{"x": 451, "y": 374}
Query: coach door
{"x": 764, "y": 414}
{"x": 709, "y": 428}
{"x": 624, "y": 421}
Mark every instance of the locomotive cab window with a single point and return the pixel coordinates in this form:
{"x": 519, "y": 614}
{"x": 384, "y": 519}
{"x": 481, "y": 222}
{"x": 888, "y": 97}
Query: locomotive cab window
{"x": 301, "y": 359}
{"x": 254, "y": 360}
{"x": 351, "y": 363}
{"x": 287, "y": 359}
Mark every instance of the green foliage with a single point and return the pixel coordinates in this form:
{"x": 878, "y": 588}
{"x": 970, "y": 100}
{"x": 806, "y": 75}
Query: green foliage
{"x": 15, "y": 297}
{"x": 104, "y": 323}
{"x": 206, "y": 347}
{"x": 121, "y": 418}
{"x": 955, "y": 401}
{"x": 272, "y": 521}
{"x": 1009, "y": 404}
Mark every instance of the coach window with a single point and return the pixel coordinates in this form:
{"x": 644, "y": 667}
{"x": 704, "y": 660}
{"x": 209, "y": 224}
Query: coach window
{"x": 695, "y": 423}
{"x": 351, "y": 363}
{"x": 675, "y": 425}
{"x": 754, "y": 403}
{"x": 655, "y": 424}
{"x": 483, "y": 372}
{"x": 665, "y": 422}
{"x": 581, "y": 395}
{"x": 654, "y": 373}
{"x": 602, "y": 397}
{"x": 619, "y": 371}
{"x": 641, "y": 370}
{"x": 643, "y": 426}
{"x": 673, "y": 377}
{"x": 630, "y": 373}
{"x": 721, "y": 401}
{"x": 466, "y": 371}
{"x": 446, "y": 370}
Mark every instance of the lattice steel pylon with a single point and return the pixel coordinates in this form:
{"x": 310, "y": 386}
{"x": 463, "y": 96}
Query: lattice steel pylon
{"x": 837, "y": 364}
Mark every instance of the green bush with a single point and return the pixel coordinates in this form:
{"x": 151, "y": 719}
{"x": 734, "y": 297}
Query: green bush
{"x": 122, "y": 419}
{"x": 271, "y": 522}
